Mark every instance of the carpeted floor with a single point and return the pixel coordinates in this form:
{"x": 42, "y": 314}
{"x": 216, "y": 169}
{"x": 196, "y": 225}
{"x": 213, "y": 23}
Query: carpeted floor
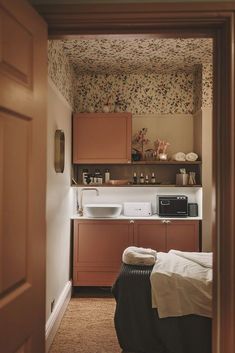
{"x": 87, "y": 327}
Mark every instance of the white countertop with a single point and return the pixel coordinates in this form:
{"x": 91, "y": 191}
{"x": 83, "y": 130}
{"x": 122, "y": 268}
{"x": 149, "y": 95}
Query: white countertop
{"x": 154, "y": 217}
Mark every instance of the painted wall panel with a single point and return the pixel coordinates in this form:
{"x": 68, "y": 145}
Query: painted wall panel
{"x": 59, "y": 200}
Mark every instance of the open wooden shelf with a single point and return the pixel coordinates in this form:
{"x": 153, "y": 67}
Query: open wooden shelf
{"x": 165, "y": 171}
{"x": 166, "y": 162}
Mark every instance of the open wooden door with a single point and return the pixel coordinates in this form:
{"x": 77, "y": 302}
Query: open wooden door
{"x": 23, "y": 82}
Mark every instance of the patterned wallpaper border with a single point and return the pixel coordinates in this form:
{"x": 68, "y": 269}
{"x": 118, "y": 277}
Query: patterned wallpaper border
{"x": 207, "y": 85}
{"x": 137, "y": 55}
{"x": 138, "y": 93}
{"x": 60, "y": 70}
{"x": 177, "y": 92}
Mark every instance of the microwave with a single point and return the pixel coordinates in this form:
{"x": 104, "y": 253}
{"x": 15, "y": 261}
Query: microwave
{"x": 172, "y": 205}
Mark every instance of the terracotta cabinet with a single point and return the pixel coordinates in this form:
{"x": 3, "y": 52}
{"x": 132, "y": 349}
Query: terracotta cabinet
{"x": 183, "y": 235}
{"x": 150, "y": 234}
{"x": 100, "y": 138}
{"x": 98, "y": 248}
{"x": 99, "y": 244}
{"x": 164, "y": 235}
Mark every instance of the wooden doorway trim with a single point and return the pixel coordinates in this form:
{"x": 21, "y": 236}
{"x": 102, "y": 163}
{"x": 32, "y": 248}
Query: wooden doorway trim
{"x": 184, "y": 20}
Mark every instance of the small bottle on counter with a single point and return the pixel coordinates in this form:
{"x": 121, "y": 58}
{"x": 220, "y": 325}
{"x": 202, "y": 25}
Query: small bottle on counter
{"x": 92, "y": 177}
{"x": 141, "y": 178}
{"x": 84, "y": 176}
{"x": 88, "y": 179}
{"x": 106, "y": 175}
{"x": 153, "y": 178}
{"x": 146, "y": 179}
{"x": 98, "y": 179}
{"x": 134, "y": 178}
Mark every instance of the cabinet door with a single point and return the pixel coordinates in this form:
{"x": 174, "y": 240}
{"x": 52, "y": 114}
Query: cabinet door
{"x": 150, "y": 234}
{"x": 102, "y": 138}
{"x": 183, "y": 235}
{"x": 98, "y": 248}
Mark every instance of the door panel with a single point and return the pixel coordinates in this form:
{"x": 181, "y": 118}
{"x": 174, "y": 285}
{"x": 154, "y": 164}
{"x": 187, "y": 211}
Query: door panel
{"x": 183, "y": 235}
{"x": 102, "y": 138}
{"x": 16, "y": 134}
{"x": 150, "y": 234}
{"x": 16, "y": 60}
{"x": 23, "y": 82}
{"x": 98, "y": 248}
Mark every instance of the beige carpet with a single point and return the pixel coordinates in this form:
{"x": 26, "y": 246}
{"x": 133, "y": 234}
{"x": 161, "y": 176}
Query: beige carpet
{"x": 87, "y": 327}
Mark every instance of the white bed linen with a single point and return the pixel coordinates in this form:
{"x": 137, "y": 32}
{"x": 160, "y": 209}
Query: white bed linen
{"x": 181, "y": 284}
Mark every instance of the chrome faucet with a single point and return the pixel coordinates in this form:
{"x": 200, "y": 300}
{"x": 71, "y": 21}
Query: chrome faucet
{"x": 80, "y": 205}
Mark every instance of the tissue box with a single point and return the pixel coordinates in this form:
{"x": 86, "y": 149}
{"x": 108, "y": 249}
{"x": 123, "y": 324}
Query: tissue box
{"x": 137, "y": 209}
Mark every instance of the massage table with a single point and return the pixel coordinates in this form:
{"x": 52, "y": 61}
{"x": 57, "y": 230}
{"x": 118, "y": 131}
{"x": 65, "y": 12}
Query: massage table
{"x": 138, "y": 327}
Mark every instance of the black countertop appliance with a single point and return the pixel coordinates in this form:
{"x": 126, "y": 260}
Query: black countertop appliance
{"x": 172, "y": 205}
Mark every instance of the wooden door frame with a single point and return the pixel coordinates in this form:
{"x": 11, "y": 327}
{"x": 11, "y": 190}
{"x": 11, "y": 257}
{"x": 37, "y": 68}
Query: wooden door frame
{"x": 183, "y": 19}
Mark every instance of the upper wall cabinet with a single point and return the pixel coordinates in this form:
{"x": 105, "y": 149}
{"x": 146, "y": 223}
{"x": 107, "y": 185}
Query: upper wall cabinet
{"x": 102, "y": 138}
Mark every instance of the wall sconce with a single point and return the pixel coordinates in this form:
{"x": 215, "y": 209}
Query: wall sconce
{"x": 59, "y": 151}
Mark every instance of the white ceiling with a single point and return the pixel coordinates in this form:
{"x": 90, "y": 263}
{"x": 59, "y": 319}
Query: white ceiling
{"x": 134, "y": 55}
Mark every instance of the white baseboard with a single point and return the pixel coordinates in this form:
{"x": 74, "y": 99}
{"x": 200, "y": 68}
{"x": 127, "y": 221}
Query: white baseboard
{"x": 55, "y": 318}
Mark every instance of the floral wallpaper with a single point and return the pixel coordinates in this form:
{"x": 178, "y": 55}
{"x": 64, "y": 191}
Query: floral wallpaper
{"x": 197, "y": 94}
{"x": 203, "y": 86}
{"x": 207, "y": 85}
{"x": 137, "y": 55}
{"x": 60, "y": 70}
{"x": 136, "y": 88}
{"x": 151, "y": 93}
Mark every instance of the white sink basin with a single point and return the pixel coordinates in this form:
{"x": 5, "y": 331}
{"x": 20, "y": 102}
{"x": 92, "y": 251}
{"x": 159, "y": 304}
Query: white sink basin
{"x": 102, "y": 210}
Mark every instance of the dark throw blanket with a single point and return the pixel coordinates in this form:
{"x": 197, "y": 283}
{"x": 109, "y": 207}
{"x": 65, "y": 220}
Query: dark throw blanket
{"x": 138, "y": 327}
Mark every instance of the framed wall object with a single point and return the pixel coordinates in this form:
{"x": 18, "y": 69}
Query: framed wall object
{"x": 59, "y": 151}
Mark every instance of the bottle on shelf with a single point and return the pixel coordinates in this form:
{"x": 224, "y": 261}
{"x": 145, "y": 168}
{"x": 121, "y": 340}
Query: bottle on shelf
{"x": 98, "y": 179}
{"x": 106, "y": 175}
{"x": 153, "y": 178}
{"x": 84, "y": 176}
{"x": 92, "y": 177}
{"x": 134, "y": 178}
{"x": 141, "y": 178}
{"x": 146, "y": 179}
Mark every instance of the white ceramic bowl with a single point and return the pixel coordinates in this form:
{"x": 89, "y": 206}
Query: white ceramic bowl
{"x": 102, "y": 210}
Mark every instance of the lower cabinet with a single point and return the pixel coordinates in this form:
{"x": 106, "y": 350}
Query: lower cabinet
{"x": 164, "y": 235}
{"x": 98, "y": 248}
{"x": 99, "y": 244}
{"x": 182, "y": 235}
{"x": 150, "y": 234}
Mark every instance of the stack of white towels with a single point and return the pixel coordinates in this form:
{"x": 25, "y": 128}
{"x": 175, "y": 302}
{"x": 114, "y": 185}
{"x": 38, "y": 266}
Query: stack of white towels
{"x": 181, "y": 156}
{"x": 139, "y": 256}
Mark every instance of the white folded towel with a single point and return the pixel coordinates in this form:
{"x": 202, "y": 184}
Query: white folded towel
{"x": 191, "y": 156}
{"x": 139, "y": 256}
{"x": 204, "y": 259}
{"x": 179, "y": 156}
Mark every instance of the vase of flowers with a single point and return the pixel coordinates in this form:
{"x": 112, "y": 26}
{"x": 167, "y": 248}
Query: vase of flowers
{"x": 160, "y": 149}
{"x": 139, "y": 141}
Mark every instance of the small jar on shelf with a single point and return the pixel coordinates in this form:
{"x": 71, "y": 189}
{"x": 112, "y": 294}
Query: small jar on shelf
{"x": 106, "y": 176}
{"x": 135, "y": 180}
{"x": 153, "y": 178}
{"x": 141, "y": 178}
{"x": 84, "y": 176}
